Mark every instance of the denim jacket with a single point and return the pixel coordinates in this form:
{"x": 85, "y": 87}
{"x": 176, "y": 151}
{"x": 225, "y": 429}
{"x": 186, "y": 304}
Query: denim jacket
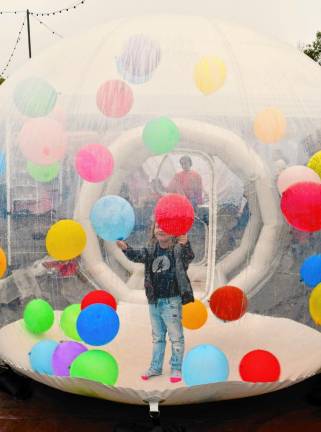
{"x": 183, "y": 255}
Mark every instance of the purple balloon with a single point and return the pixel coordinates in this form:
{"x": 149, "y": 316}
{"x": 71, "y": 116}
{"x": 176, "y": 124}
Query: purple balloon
{"x": 64, "y": 355}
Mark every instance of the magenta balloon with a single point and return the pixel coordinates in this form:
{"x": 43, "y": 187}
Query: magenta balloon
{"x": 94, "y": 163}
{"x": 64, "y": 355}
{"x": 296, "y": 174}
{"x": 43, "y": 141}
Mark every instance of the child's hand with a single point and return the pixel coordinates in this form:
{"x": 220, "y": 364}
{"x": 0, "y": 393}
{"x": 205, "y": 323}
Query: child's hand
{"x": 182, "y": 240}
{"x": 122, "y": 245}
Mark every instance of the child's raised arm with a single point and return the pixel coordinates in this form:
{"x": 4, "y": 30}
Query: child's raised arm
{"x": 136, "y": 255}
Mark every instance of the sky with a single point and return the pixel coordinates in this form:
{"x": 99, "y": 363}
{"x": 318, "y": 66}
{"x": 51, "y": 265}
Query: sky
{"x": 292, "y": 21}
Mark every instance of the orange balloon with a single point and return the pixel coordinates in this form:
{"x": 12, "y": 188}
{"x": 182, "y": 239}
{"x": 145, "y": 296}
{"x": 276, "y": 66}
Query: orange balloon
{"x": 270, "y": 125}
{"x": 194, "y": 315}
{"x": 3, "y": 262}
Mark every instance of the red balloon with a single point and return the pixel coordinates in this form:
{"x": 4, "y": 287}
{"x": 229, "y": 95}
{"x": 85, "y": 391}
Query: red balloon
{"x": 301, "y": 206}
{"x": 259, "y": 366}
{"x": 228, "y": 303}
{"x": 98, "y": 296}
{"x": 174, "y": 214}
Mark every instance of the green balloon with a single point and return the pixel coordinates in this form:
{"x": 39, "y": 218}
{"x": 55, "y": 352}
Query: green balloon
{"x": 38, "y": 316}
{"x": 68, "y": 321}
{"x": 95, "y": 365}
{"x": 161, "y": 135}
{"x": 43, "y": 173}
{"x": 35, "y": 97}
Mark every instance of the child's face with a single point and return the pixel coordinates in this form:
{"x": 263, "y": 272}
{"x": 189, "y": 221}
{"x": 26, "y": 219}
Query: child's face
{"x": 160, "y": 234}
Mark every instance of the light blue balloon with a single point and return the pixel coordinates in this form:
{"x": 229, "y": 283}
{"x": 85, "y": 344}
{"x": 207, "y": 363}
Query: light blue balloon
{"x": 112, "y": 218}
{"x": 204, "y": 364}
{"x": 2, "y": 163}
{"x": 310, "y": 271}
{"x": 41, "y": 356}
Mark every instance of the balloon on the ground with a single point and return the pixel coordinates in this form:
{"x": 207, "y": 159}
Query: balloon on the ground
{"x": 68, "y": 321}
{"x": 41, "y": 356}
{"x": 296, "y": 174}
{"x": 95, "y": 365}
{"x": 64, "y": 354}
{"x": 161, "y": 135}
{"x": 260, "y": 366}
{"x": 94, "y": 163}
{"x": 43, "y": 173}
{"x": 98, "y": 324}
{"x": 38, "y": 316}
{"x": 112, "y": 218}
{"x": 205, "y": 364}
{"x": 174, "y": 214}
{"x": 310, "y": 271}
{"x": 315, "y": 304}
{"x": 194, "y": 315}
{"x": 99, "y": 296}
{"x": 228, "y": 303}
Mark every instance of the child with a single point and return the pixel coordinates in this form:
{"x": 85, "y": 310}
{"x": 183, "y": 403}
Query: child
{"x": 167, "y": 288}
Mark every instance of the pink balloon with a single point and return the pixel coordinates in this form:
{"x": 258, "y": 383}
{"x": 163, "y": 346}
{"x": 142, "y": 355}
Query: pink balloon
{"x": 296, "y": 174}
{"x": 114, "y": 98}
{"x": 94, "y": 163}
{"x": 43, "y": 141}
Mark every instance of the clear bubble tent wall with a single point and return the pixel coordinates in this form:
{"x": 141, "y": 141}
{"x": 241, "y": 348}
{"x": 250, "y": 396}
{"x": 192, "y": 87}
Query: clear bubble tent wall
{"x": 95, "y": 133}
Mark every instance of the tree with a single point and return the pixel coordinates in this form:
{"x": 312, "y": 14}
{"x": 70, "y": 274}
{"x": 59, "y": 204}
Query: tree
{"x": 1, "y": 80}
{"x": 313, "y": 50}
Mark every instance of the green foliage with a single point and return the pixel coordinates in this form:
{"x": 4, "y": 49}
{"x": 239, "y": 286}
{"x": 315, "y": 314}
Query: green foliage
{"x": 313, "y": 50}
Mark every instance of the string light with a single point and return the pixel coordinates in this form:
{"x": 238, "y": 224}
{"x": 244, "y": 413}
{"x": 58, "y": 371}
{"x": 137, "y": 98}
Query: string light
{"x": 59, "y": 11}
{"x": 49, "y": 28}
{"x": 2, "y": 72}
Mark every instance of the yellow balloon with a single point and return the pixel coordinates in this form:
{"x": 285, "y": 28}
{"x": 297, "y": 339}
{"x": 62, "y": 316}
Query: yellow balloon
{"x": 270, "y": 125}
{"x": 194, "y": 315}
{"x": 209, "y": 74}
{"x": 3, "y": 262}
{"x": 65, "y": 240}
{"x": 315, "y": 304}
{"x": 315, "y": 163}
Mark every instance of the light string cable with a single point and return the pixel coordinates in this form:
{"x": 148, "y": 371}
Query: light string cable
{"x": 59, "y": 11}
{"x": 3, "y": 70}
{"x": 47, "y": 27}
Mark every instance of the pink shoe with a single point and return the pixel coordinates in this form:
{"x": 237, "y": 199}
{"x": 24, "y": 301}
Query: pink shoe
{"x": 149, "y": 374}
{"x": 176, "y": 376}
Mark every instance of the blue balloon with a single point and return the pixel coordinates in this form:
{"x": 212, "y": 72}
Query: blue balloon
{"x": 204, "y": 364}
{"x": 41, "y": 356}
{"x": 310, "y": 271}
{"x": 112, "y": 218}
{"x": 98, "y": 324}
{"x": 2, "y": 163}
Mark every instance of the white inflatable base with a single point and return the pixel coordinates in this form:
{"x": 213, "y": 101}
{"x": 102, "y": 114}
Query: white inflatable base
{"x": 297, "y": 347}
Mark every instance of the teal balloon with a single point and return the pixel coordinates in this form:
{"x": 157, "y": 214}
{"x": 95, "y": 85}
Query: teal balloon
{"x": 112, "y": 218}
{"x": 161, "y": 135}
{"x": 41, "y": 356}
{"x": 204, "y": 364}
{"x": 35, "y": 97}
{"x": 43, "y": 173}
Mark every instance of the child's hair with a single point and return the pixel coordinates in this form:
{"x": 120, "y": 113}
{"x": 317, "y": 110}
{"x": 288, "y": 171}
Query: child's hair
{"x": 152, "y": 239}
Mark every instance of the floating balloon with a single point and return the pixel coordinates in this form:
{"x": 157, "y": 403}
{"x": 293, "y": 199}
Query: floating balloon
{"x": 65, "y": 240}
{"x": 43, "y": 141}
{"x": 310, "y": 271}
{"x": 95, "y": 365}
{"x": 3, "y": 263}
{"x": 139, "y": 59}
{"x": 315, "y": 163}
{"x": 296, "y": 174}
{"x": 68, "y": 321}
{"x": 35, "y": 97}
{"x": 209, "y": 74}
{"x": 38, "y": 316}
{"x": 315, "y": 304}
{"x": 301, "y": 206}
{"x": 64, "y": 355}
{"x": 204, "y": 364}
{"x": 94, "y": 163}
{"x": 112, "y": 218}
{"x": 99, "y": 296}
{"x": 43, "y": 173}
{"x": 161, "y": 135}
{"x": 41, "y": 356}
{"x": 270, "y": 125}
{"x": 98, "y": 324}
{"x": 260, "y": 366}
{"x": 194, "y": 315}
{"x": 174, "y": 214}
{"x": 228, "y": 303}
{"x": 114, "y": 98}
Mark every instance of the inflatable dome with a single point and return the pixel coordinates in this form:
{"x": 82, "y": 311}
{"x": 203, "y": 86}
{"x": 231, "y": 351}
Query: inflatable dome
{"x": 99, "y": 136}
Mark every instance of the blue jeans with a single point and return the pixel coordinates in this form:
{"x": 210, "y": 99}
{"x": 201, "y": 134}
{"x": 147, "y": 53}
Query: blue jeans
{"x": 166, "y": 316}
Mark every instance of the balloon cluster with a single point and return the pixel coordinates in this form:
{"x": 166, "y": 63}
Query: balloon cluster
{"x": 94, "y": 322}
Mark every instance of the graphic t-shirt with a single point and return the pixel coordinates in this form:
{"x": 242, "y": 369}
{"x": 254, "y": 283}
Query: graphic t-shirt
{"x": 164, "y": 273}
